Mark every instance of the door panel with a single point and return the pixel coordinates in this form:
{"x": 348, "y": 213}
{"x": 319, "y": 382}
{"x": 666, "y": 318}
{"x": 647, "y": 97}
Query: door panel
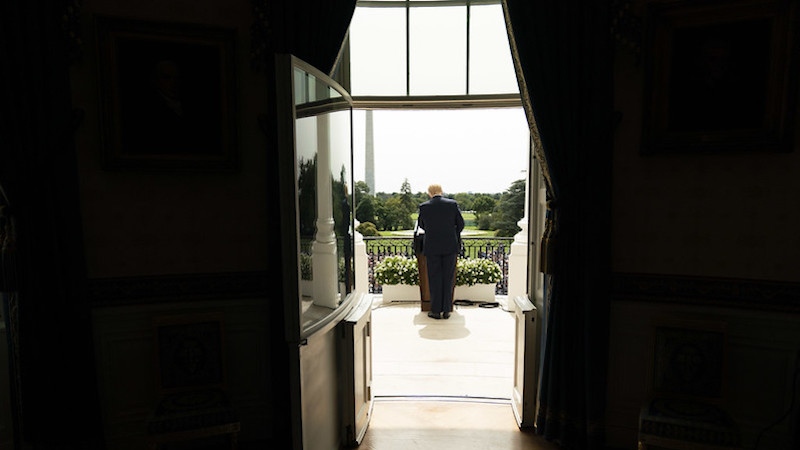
{"x": 528, "y": 314}
{"x": 523, "y": 395}
{"x": 357, "y": 371}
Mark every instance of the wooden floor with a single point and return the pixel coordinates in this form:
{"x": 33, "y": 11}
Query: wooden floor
{"x": 447, "y": 425}
{"x": 444, "y": 384}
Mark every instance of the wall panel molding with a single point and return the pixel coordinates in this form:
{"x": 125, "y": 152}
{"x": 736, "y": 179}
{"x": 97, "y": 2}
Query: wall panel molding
{"x": 763, "y": 295}
{"x": 126, "y": 368}
{"x": 762, "y": 347}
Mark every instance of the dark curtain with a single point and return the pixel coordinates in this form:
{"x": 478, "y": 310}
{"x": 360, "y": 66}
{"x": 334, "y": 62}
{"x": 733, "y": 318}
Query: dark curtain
{"x": 55, "y": 392}
{"x": 312, "y": 30}
{"x": 563, "y": 52}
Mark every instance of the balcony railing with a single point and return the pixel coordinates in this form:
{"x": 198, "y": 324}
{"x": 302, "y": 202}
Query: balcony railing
{"x": 493, "y": 248}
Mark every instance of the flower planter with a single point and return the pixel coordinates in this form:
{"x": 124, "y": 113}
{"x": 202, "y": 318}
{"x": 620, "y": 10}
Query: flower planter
{"x": 394, "y": 292}
{"x": 476, "y": 292}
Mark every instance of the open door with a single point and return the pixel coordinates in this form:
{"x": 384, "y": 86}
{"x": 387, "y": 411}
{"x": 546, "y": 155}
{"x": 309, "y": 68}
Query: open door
{"x": 523, "y": 395}
{"x": 357, "y": 372}
{"x": 326, "y": 322}
{"x": 527, "y": 309}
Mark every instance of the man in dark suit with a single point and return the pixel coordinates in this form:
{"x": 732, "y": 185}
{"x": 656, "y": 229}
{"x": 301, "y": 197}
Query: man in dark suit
{"x": 441, "y": 219}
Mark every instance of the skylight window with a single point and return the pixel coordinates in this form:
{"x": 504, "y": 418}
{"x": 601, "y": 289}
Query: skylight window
{"x": 421, "y": 48}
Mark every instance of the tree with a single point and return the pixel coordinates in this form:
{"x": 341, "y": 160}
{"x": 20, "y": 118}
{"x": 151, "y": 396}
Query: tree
{"x": 465, "y": 201}
{"x": 365, "y": 209}
{"x": 483, "y": 204}
{"x": 510, "y": 209}
{"x": 406, "y": 199}
{"x": 483, "y": 207}
{"x": 397, "y": 215}
{"x": 360, "y": 191}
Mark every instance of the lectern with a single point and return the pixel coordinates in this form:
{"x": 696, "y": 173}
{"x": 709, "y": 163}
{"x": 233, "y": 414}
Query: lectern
{"x": 424, "y": 290}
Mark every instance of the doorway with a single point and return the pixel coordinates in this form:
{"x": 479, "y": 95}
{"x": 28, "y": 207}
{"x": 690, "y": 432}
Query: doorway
{"x": 474, "y": 153}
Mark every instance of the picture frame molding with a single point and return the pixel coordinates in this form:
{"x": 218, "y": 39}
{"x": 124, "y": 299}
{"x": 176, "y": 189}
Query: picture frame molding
{"x": 109, "y": 30}
{"x": 775, "y": 134}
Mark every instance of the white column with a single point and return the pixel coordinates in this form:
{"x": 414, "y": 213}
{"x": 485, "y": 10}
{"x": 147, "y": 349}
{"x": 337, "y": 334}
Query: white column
{"x": 361, "y": 263}
{"x": 325, "y": 261}
{"x": 518, "y": 257}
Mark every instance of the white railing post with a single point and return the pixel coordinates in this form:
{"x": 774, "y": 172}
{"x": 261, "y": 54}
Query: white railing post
{"x": 518, "y": 259}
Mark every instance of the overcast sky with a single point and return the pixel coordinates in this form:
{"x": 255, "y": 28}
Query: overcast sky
{"x": 465, "y": 150}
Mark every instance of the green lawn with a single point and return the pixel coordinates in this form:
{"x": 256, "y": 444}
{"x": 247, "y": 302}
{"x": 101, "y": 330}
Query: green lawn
{"x": 469, "y": 224}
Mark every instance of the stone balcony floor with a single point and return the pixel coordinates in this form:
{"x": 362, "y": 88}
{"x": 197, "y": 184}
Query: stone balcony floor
{"x": 471, "y": 354}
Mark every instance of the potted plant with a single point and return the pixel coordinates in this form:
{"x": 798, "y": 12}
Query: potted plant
{"x": 476, "y": 279}
{"x": 399, "y": 277}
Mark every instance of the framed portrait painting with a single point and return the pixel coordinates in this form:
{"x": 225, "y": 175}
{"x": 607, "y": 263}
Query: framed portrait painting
{"x": 719, "y": 76}
{"x": 167, "y": 94}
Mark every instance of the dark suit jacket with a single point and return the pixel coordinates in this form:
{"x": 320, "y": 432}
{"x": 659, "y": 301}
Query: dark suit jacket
{"x": 441, "y": 219}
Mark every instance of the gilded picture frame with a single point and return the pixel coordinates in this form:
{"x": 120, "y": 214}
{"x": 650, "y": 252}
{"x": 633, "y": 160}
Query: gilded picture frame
{"x": 167, "y": 95}
{"x": 719, "y": 77}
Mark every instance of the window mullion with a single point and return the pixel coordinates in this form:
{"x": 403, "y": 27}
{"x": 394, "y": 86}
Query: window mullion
{"x": 408, "y": 49}
{"x": 467, "y": 59}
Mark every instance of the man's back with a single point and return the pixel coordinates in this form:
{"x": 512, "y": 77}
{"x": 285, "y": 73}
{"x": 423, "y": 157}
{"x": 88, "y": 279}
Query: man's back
{"x": 442, "y": 221}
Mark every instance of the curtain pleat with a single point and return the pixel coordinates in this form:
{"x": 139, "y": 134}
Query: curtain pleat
{"x": 563, "y": 60}
{"x": 312, "y": 30}
{"x": 52, "y": 357}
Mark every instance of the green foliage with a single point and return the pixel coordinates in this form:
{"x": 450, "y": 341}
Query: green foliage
{"x": 406, "y": 198}
{"x": 365, "y": 210}
{"x": 367, "y": 229}
{"x": 510, "y": 209}
{"x": 360, "y": 191}
{"x": 305, "y": 266}
{"x": 485, "y": 221}
{"x": 342, "y": 271}
{"x": 307, "y": 195}
{"x": 483, "y": 204}
{"x": 397, "y": 269}
{"x": 464, "y": 201}
{"x": 396, "y": 215}
{"x": 471, "y": 271}
{"x": 342, "y": 211}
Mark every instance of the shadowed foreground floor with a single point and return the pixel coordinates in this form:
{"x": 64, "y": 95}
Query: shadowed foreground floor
{"x": 447, "y": 425}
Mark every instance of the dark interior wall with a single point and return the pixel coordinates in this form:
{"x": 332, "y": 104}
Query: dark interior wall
{"x": 732, "y": 214}
{"x": 707, "y": 237}
{"x": 181, "y": 241}
{"x": 140, "y": 223}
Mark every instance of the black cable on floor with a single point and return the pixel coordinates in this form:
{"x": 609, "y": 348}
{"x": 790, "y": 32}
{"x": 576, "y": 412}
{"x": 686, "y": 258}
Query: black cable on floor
{"x": 480, "y": 304}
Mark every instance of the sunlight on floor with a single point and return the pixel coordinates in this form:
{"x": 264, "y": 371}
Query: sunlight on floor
{"x": 469, "y": 355}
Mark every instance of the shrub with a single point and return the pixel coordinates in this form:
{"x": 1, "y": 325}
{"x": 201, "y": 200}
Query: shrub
{"x": 471, "y": 271}
{"x": 484, "y": 221}
{"x": 367, "y": 229}
{"x": 305, "y": 266}
{"x": 397, "y": 269}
